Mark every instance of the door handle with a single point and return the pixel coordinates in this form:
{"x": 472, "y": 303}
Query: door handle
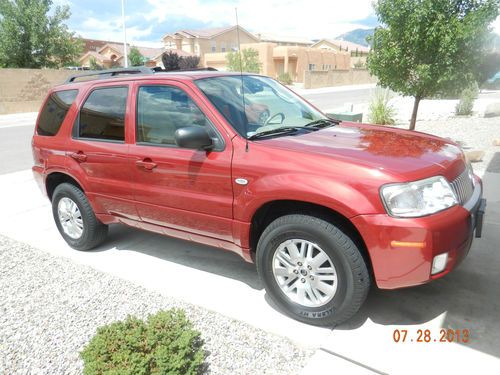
{"x": 146, "y": 164}
{"x": 78, "y": 156}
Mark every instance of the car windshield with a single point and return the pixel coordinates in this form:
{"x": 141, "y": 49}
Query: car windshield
{"x": 268, "y": 105}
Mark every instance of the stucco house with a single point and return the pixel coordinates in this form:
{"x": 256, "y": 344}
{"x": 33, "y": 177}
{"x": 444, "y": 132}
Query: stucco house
{"x": 201, "y": 42}
{"x": 111, "y": 55}
{"x": 294, "y": 60}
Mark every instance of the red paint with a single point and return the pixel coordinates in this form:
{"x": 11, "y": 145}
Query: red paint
{"x": 192, "y": 195}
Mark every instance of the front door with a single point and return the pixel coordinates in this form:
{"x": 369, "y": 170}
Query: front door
{"x": 183, "y": 189}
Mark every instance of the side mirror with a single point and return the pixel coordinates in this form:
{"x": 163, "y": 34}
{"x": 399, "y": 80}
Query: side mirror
{"x": 195, "y": 137}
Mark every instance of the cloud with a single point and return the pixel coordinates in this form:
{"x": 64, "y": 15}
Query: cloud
{"x": 321, "y": 18}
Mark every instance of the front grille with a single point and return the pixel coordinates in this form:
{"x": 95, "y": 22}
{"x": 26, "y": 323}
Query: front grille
{"x": 463, "y": 186}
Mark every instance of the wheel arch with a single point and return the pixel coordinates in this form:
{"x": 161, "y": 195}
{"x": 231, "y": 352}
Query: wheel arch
{"x": 272, "y": 210}
{"x": 56, "y": 178}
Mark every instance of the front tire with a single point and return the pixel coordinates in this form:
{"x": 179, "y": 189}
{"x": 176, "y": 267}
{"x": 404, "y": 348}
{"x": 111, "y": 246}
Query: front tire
{"x": 75, "y": 218}
{"x": 312, "y": 270}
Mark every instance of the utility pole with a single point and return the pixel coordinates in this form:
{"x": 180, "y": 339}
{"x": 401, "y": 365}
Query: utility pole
{"x": 124, "y": 35}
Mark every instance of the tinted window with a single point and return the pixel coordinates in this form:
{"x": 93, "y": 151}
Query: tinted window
{"x": 54, "y": 112}
{"x": 103, "y": 114}
{"x": 161, "y": 110}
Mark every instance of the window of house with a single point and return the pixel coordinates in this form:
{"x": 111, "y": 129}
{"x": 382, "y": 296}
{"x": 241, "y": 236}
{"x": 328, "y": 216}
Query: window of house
{"x": 234, "y": 47}
{"x": 161, "y": 110}
{"x": 222, "y": 47}
{"x": 103, "y": 114}
{"x": 312, "y": 66}
{"x": 213, "y": 46}
{"x": 54, "y": 112}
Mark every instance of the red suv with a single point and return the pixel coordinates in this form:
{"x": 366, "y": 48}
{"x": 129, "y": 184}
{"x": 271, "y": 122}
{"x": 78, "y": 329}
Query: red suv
{"x": 322, "y": 207}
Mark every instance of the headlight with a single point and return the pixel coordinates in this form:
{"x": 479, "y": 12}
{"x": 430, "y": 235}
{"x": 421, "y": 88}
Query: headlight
{"x": 419, "y": 198}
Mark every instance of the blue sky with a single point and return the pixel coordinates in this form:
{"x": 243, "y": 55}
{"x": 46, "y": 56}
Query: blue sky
{"x": 148, "y": 20}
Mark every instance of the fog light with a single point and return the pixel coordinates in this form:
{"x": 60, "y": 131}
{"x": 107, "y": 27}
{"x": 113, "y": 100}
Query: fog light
{"x": 439, "y": 263}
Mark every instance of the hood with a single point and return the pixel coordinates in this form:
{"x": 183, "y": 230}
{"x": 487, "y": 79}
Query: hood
{"x": 405, "y": 153}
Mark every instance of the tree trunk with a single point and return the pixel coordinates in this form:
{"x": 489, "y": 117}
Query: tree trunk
{"x": 415, "y": 111}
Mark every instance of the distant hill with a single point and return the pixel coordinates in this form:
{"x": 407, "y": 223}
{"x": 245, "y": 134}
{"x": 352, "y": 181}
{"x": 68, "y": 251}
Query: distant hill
{"x": 357, "y": 36}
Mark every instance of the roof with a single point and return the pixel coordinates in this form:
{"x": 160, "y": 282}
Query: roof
{"x": 206, "y": 33}
{"x": 148, "y": 52}
{"x": 95, "y": 55}
{"x": 284, "y": 39}
{"x": 344, "y": 44}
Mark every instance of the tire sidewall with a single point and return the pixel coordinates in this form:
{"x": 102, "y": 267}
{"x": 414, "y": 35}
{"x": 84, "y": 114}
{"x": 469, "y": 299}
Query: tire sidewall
{"x": 65, "y": 191}
{"x": 322, "y": 315}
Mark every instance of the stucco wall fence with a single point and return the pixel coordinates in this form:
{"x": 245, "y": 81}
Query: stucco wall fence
{"x": 23, "y": 90}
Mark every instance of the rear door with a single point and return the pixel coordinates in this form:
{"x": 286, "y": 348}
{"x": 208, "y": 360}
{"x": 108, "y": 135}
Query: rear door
{"x": 184, "y": 189}
{"x": 98, "y": 149}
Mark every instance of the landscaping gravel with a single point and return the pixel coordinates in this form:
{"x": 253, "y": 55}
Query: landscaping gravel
{"x": 51, "y": 307}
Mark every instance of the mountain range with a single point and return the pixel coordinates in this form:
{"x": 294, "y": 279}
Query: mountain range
{"x": 357, "y": 36}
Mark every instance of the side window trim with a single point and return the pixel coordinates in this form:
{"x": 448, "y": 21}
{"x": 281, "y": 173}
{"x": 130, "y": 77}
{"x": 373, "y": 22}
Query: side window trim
{"x": 219, "y": 142}
{"x": 76, "y": 125}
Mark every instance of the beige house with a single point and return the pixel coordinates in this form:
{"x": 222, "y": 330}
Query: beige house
{"x": 201, "y": 42}
{"x": 112, "y": 55}
{"x": 358, "y": 52}
{"x": 293, "y": 60}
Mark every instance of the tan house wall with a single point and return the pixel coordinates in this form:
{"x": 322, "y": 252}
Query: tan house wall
{"x": 23, "y": 90}
{"x": 316, "y": 79}
{"x": 294, "y": 60}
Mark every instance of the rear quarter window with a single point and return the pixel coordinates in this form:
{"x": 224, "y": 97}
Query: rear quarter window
{"x": 54, "y": 111}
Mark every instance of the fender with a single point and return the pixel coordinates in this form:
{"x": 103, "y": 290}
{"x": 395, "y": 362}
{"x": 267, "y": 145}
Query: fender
{"x": 303, "y": 187}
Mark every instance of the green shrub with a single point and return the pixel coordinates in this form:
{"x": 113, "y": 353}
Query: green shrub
{"x": 466, "y": 102}
{"x": 165, "y": 344}
{"x": 380, "y": 111}
{"x": 285, "y": 78}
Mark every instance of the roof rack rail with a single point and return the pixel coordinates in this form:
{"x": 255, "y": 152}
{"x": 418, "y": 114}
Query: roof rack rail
{"x": 159, "y": 69}
{"x": 141, "y": 70}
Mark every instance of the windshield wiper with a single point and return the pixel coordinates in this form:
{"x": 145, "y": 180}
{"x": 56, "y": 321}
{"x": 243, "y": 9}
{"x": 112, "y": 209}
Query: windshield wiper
{"x": 322, "y": 123}
{"x": 282, "y": 130}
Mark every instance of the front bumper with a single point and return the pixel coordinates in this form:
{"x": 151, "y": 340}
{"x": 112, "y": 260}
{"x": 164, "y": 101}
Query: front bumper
{"x": 402, "y": 249}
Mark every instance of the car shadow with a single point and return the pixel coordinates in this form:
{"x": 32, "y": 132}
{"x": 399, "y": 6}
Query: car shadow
{"x": 190, "y": 254}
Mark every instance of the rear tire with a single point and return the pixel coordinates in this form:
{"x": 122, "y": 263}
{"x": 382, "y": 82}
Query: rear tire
{"x": 75, "y": 218}
{"x": 312, "y": 270}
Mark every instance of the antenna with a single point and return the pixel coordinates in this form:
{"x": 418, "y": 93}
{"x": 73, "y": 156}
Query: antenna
{"x": 245, "y": 122}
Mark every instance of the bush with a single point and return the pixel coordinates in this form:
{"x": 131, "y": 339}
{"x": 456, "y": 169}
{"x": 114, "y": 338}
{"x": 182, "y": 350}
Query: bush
{"x": 380, "y": 111}
{"x": 466, "y": 102}
{"x": 285, "y": 78}
{"x": 165, "y": 344}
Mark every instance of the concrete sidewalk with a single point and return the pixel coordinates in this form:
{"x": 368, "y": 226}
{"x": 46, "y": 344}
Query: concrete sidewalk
{"x": 220, "y": 281}
{"x": 18, "y": 119}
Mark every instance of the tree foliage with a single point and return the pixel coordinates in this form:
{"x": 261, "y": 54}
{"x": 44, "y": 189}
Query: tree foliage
{"x": 189, "y": 62}
{"x": 429, "y": 47}
{"x": 246, "y": 61}
{"x": 135, "y": 57}
{"x": 170, "y": 60}
{"x": 488, "y": 67}
{"x": 33, "y": 35}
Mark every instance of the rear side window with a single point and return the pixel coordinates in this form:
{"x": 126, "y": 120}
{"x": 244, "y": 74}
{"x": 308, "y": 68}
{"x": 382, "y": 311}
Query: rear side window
{"x": 103, "y": 114}
{"x": 54, "y": 112}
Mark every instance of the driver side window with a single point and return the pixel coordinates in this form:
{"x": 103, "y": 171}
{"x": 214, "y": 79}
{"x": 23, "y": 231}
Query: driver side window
{"x": 161, "y": 110}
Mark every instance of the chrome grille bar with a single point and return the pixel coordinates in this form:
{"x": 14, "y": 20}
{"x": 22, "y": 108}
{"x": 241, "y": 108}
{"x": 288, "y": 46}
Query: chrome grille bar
{"x": 463, "y": 187}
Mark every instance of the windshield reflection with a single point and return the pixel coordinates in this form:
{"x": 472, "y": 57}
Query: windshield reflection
{"x": 254, "y": 104}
